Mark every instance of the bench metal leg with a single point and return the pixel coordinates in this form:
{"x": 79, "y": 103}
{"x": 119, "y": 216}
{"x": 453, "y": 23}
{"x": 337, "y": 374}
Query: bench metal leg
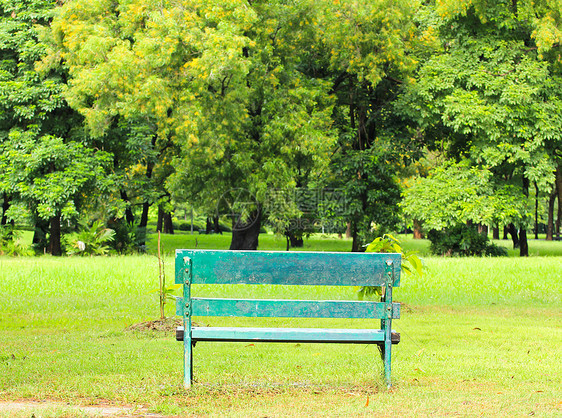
{"x": 187, "y": 341}
{"x": 187, "y": 360}
{"x": 387, "y": 351}
{"x": 386, "y": 323}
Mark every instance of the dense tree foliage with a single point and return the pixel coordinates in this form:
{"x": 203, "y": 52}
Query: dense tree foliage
{"x": 246, "y": 93}
{"x": 458, "y": 194}
{"x": 492, "y": 90}
{"x": 373, "y": 47}
{"x": 242, "y": 108}
{"x": 45, "y": 162}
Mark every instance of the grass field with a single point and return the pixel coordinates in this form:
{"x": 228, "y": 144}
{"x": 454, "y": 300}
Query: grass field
{"x": 480, "y": 337}
{"x": 321, "y": 242}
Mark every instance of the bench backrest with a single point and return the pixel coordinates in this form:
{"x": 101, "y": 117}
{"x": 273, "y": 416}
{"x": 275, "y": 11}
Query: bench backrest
{"x": 286, "y": 268}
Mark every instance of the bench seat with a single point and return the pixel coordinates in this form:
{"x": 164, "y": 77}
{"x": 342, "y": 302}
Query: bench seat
{"x": 287, "y": 335}
{"x": 198, "y": 269}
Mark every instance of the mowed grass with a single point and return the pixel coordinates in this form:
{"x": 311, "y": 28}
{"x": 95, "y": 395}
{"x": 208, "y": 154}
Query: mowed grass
{"x": 327, "y": 242}
{"x": 479, "y": 337}
{"x": 267, "y": 242}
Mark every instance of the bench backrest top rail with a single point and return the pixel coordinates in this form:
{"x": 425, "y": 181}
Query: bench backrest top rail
{"x": 287, "y": 268}
{"x": 287, "y": 308}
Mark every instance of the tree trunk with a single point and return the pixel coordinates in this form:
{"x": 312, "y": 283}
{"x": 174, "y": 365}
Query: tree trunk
{"x": 141, "y": 230}
{"x": 536, "y": 211}
{"x": 40, "y": 235}
{"x": 418, "y": 233}
{"x": 54, "y": 236}
{"x": 559, "y": 188}
{"x": 505, "y": 232}
{"x": 216, "y": 225}
{"x": 168, "y": 223}
{"x": 356, "y": 246}
{"x": 550, "y": 221}
{"x": 144, "y": 215}
{"x": 5, "y": 207}
{"x": 514, "y": 237}
{"x": 558, "y": 219}
{"x": 348, "y": 230}
{"x": 129, "y": 216}
{"x": 523, "y": 243}
{"x": 294, "y": 240}
{"x": 495, "y": 232}
{"x": 160, "y": 219}
{"x": 164, "y": 223}
{"x": 245, "y": 232}
{"x": 483, "y": 229}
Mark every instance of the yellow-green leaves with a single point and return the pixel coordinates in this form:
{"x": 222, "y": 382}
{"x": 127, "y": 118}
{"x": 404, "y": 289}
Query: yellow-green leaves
{"x": 456, "y": 193}
{"x": 136, "y": 58}
{"x": 369, "y": 38}
{"x": 411, "y": 263}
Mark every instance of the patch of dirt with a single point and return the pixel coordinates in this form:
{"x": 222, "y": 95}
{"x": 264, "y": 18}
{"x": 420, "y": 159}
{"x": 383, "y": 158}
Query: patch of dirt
{"x": 38, "y": 408}
{"x": 165, "y": 325}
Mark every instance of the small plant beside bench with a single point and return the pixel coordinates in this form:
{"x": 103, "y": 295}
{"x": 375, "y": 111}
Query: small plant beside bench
{"x": 287, "y": 268}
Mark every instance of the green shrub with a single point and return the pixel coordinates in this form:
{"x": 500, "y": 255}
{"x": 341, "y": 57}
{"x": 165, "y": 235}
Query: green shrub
{"x": 9, "y": 242}
{"x": 462, "y": 240}
{"x": 91, "y": 240}
{"x": 185, "y": 226}
{"x": 411, "y": 263}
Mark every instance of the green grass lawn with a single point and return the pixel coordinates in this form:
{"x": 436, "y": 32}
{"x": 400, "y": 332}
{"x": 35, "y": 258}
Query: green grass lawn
{"x": 326, "y": 242}
{"x": 267, "y": 242}
{"x": 316, "y": 242}
{"x": 479, "y": 337}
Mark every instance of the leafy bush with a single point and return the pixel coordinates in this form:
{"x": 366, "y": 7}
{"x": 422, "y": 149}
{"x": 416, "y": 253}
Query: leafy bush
{"x": 411, "y": 263}
{"x": 92, "y": 240}
{"x": 185, "y": 226}
{"x": 128, "y": 239}
{"x": 9, "y": 243}
{"x": 463, "y": 240}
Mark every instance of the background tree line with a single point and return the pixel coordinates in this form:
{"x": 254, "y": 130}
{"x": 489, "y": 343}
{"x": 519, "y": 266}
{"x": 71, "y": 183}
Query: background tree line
{"x": 445, "y": 112}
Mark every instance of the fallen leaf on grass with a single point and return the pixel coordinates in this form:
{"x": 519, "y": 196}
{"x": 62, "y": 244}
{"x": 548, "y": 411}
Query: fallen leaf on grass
{"x": 367, "y": 403}
{"x": 477, "y": 329}
{"x": 250, "y": 345}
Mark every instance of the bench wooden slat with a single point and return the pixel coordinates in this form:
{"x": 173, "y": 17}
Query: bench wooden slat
{"x": 288, "y": 335}
{"x": 287, "y": 308}
{"x": 282, "y": 268}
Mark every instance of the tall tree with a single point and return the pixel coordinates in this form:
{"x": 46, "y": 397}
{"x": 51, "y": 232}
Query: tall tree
{"x": 45, "y": 163}
{"x": 456, "y": 194}
{"x": 493, "y": 90}
{"x": 221, "y": 80}
{"x": 262, "y": 131}
{"x": 371, "y": 52}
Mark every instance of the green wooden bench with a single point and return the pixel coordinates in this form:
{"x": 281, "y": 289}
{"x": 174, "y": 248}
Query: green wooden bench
{"x": 287, "y": 268}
